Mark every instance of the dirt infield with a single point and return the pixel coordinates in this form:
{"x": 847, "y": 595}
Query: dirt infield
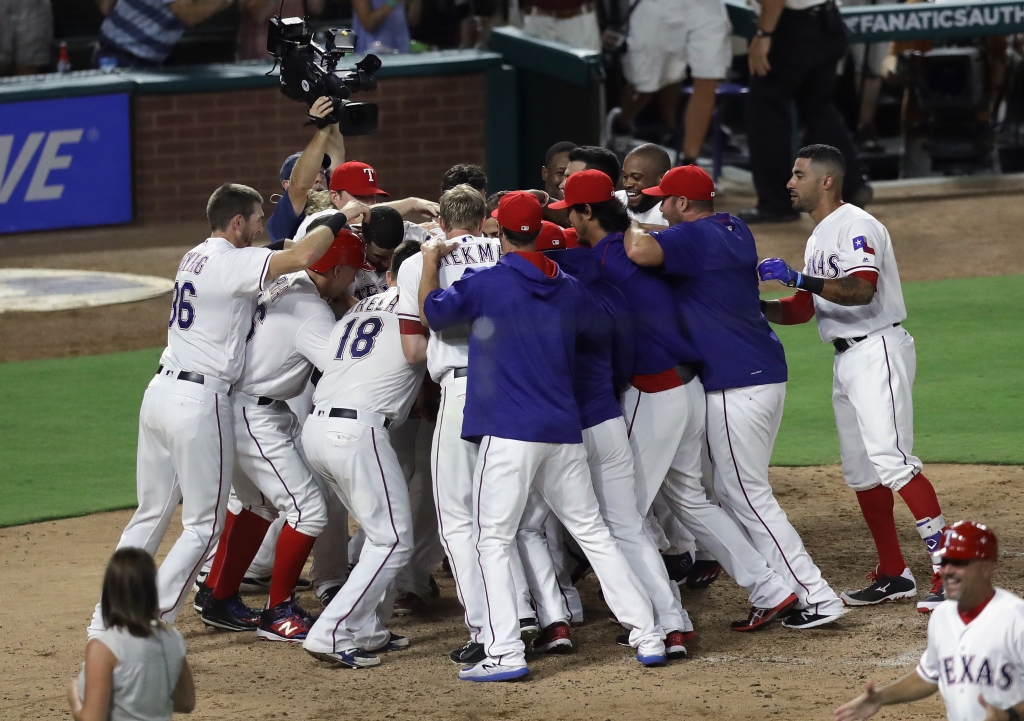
{"x": 53, "y": 572}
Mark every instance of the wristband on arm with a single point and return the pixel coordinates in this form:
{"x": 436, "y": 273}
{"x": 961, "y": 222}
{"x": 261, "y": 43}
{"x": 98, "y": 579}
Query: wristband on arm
{"x": 336, "y": 222}
{"x": 809, "y": 283}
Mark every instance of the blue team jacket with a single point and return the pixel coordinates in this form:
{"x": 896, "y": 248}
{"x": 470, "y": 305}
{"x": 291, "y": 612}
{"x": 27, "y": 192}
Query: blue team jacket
{"x": 521, "y": 349}
{"x": 604, "y": 361}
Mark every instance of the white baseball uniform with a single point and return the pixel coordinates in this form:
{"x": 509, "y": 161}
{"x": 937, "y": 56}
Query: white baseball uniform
{"x": 873, "y": 380}
{"x": 453, "y": 459}
{"x": 666, "y": 432}
{"x": 983, "y": 657}
{"x": 652, "y": 216}
{"x": 290, "y": 333}
{"x": 186, "y": 438}
{"x": 367, "y": 386}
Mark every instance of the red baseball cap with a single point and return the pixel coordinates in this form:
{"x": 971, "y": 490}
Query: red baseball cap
{"x": 968, "y": 541}
{"x": 347, "y": 249}
{"x": 519, "y": 212}
{"x": 551, "y": 237}
{"x": 686, "y": 181}
{"x": 586, "y": 186}
{"x": 571, "y": 240}
{"x": 356, "y": 178}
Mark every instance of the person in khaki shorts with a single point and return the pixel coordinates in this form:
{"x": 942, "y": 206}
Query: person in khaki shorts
{"x": 666, "y": 36}
{"x": 26, "y": 31}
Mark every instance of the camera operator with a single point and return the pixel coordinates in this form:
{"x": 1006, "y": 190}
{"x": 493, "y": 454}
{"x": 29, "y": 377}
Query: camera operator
{"x": 309, "y": 170}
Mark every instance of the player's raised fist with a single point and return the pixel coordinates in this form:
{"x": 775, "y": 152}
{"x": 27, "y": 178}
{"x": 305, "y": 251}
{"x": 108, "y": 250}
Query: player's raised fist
{"x": 776, "y": 269}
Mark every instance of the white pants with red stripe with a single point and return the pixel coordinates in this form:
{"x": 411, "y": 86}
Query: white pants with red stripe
{"x": 186, "y": 453}
{"x": 510, "y": 472}
{"x": 452, "y": 462}
{"x": 360, "y": 465}
{"x": 742, "y": 425}
{"x": 666, "y": 434}
{"x": 872, "y": 398}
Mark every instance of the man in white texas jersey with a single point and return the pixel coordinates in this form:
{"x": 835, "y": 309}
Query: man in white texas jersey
{"x": 453, "y": 459}
{"x": 289, "y": 336}
{"x": 369, "y": 384}
{"x": 975, "y": 654}
{"x": 851, "y": 283}
{"x": 186, "y": 436}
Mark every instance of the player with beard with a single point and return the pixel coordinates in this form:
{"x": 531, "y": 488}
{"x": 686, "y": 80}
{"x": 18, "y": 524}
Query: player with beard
{"x": 643, "y": 168}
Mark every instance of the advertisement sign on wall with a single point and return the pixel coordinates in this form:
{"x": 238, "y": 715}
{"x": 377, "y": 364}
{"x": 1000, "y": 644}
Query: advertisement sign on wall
{"x": 65, "y": 163}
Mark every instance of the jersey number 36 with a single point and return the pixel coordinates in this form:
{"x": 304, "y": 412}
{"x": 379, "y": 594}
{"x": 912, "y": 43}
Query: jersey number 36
{"x": 181, "y": 310}
{"x": 362, "y": 341}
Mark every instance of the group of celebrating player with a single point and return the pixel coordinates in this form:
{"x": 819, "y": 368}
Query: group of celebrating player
{"x": 605, "y": 393}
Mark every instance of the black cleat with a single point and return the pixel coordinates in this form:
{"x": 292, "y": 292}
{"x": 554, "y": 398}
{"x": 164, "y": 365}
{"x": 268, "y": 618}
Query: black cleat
{"x": 882, "y": 589}
{"x": 230, "y": 614}
{"x": 471, "y": 653}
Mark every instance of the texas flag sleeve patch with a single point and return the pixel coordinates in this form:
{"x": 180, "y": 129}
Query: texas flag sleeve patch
{"x": 861, "y": 243}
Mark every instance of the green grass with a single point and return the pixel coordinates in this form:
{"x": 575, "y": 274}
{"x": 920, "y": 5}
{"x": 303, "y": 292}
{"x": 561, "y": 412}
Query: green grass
{"x": 68, "y": 433}
{"x": 969, "y": 391}
{"x": 68, "y": 427}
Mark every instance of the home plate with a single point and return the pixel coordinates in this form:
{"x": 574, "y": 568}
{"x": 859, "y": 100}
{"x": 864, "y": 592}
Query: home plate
{"x": 31, "y": 289}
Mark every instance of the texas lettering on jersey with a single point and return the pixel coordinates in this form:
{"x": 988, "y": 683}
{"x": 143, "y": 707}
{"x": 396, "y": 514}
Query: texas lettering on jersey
{"x": 972, "y": 670}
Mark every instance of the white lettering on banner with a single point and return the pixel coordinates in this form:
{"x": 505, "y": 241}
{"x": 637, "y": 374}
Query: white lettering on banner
{"x": 9, "y": 181}
{"x": 49, "y": 160}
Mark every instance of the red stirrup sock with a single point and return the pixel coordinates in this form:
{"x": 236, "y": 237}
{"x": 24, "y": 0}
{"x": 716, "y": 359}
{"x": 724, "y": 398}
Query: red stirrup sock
{"x": 920, "y": 498}
{"x": 222, "y": 551}
{"x": 877, "y": 505}
{"x": 293, "y": 549}
{"x": 240, "y": 549}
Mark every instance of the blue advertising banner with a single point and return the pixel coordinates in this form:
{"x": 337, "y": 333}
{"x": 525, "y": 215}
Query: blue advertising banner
{"x": 65, "y": 163}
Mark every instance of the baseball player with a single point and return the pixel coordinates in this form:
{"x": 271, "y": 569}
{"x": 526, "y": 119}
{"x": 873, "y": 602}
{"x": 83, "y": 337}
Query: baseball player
{"x": 851, "y": 283}
{"x": 452, "y": 457}
{"x": 358, "y": 181}
{"x": 975, "y": 654}
{"x": 520, "y": 405}
{"x": 642, "y": 168}
{"x": 186, "y": 437}
{"x": 663, "y": 405}
{"x": 368, "y": 386}
{"x": 708, "y": 259}
{"x": 603, "y": 364}
{"x": 289, "y": 337}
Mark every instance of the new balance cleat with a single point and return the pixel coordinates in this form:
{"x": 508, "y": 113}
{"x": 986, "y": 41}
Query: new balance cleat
{"x": 282, "y": 623}
{"x": 652, "y": 660}
{"x": 554, "y": 639}
{"x": 882, "y": 589}
{"x": 675, "y": 645}
{"x": 759, "y": 618}
{"x": 352, "y": 658}
{"x": 488, "y": 671}
{"x": 230, "y": 614}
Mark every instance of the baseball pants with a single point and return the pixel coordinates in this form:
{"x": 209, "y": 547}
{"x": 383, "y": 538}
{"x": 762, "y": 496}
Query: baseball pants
{"x": 666, "y": 431}
{"x": 453, "y": 461}
{"x": 872, "y": 398}
{"x": 186, "y": 453}
{"x": 554, "y": 534}
{"x": 742, "y": 425}
{"x": 507, "y": 472}
{"x": 610, "y": 460}
{"x": 426, "y": 548}
{"x": 356, "y": 458}
{"x": 330, "y": 550}
{"x": 275, "y": 477}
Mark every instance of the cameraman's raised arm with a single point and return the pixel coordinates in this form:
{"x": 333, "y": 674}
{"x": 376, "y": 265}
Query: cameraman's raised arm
{"x": 326, "y": 141}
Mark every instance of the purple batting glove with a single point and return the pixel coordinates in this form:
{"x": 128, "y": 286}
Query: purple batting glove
{"x": 776, "y": 269}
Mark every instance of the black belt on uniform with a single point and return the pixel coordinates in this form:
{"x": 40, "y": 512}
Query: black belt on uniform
{"x": 265, "y": 401}
{"x": 353, "y": 415}
{"x": 844, "y": 344}
{"x": 460, "y": 372}
{"x": 186, "y": 376}
{"x": 686, "y": 372}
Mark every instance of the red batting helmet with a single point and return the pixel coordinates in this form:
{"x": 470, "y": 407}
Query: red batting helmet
{"x": 968, "y": 541}
{"x": 347, "y": 249}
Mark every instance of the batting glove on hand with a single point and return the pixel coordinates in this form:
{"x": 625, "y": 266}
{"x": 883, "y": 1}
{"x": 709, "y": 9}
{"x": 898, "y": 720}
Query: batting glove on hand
{"x": 777, "y": 269}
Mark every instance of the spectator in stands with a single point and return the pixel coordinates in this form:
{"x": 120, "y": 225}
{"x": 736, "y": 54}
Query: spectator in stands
{"x": 255, "y": 19}
{"x": 136, "y": 668}
{"x": 471, "y": 175}
{"x": 142, "y": 33}
{"x": 382, "y": 26}
{"x": 793, "y": 59}
{"x": 552, "y": 173}
{"x": 309, "y": 170}
{"x": 26, "y": 31}
{"x": 570, "y": 22}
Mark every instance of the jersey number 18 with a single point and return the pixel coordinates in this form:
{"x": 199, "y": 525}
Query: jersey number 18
{"x": 362, "y": 341}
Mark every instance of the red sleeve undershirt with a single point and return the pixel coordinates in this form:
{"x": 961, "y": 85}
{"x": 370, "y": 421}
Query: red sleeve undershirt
{"x": 799, "y": 308}
{"x": 412, "y": 327}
